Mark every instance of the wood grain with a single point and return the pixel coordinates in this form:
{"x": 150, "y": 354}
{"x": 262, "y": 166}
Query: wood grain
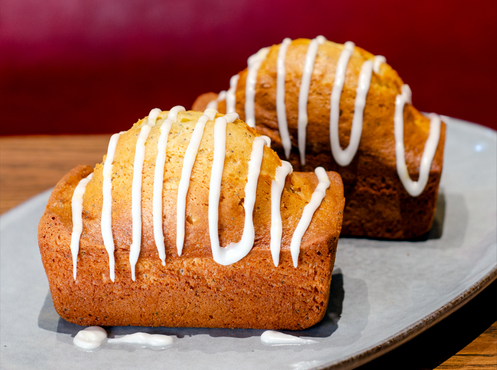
{"x": 32, "y": 164}
{"x": 479, "y": 354}
{"x": 466, "y": 339}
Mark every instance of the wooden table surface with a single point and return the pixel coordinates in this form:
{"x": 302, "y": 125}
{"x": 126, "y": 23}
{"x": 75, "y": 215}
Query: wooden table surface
{"x": 465, "y": 339}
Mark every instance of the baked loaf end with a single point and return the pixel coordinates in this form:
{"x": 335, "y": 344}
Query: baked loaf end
{"x": 191, "y": 290}
{"x": 377, "y": 204}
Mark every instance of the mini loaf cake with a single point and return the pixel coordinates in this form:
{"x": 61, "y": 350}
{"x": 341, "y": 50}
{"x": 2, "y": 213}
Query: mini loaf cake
{"x": 192, "y": 220}
{"x": 340, "y": 107}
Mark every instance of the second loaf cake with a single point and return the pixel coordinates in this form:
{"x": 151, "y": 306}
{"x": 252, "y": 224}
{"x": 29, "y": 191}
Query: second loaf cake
{"x": 341, "y": 107}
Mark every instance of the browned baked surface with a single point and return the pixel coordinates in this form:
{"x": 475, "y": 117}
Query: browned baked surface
{"x": 377, "y": 205}
{"x": 191, "y": 289}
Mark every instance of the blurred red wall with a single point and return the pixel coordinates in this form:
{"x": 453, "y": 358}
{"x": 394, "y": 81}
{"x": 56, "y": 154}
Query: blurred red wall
{"x": 90, "y": 66}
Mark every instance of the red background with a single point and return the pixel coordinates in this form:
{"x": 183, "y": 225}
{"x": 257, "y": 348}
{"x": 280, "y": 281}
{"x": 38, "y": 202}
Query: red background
{"x": 91, "y": 66}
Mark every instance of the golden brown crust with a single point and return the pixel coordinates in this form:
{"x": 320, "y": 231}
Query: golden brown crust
{"x": 377, "y": 205}
{"x": 191, "y": 289}
{"x": 201, "y": 102}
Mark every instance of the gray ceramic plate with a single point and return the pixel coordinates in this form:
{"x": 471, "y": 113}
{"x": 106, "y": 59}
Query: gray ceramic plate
{"x": 383, "y": 292}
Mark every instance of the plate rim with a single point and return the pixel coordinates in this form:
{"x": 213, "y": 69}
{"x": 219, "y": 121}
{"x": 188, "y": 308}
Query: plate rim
{"x": 408, "y": 333}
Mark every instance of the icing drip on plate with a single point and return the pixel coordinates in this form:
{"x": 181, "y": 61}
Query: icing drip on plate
{"x": 90, "y": 338}
{"x": 152, "y": 341}
{"x": 93, "y": 337}
{"x": 275, "y": 338}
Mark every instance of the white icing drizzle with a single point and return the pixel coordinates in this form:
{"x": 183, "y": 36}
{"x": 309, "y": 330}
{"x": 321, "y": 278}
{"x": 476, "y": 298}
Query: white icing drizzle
{"x": 378, "y": 61}
{"x": 344, "y": 156}
{"x": 77, "y": 219}
{"x": 215, "y": 183}
{"x": 153, "y": 341}
{"x": 275, "y": 338}
{"x": 217, "y": 174}
{"x": 304, "y": 92}
{"x": 159, "y": 180}
{"x": 254, "y": 63}
{"x": 214, "y": 103}
{"x": 406, "y": 92}
{"x": 106, "y": 221}
{"x": 90, "y": 338}
{"x": 184, "y": 184}
{"x": 230, "y": 95}
{"x": 316, "y": 199}
{"x": 341, "y": 69}
{"x": 234, "y": 252}
{"x": 152, "y": 116}
{"x": 280, "y": 98}
{"x": 414, "y": 188}
{"x": 277, "y": 186}
{"x": 136, "y": 190}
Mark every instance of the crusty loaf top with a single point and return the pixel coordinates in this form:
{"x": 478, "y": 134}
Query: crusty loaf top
{"x": 297, "y": 192}
{"x": 377, "y": 139}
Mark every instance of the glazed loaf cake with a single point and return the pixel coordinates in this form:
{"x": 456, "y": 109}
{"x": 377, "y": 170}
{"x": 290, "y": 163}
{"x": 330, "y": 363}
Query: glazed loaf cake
{"x": 340, "y": 107}
{"x": 142, "y": 240}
